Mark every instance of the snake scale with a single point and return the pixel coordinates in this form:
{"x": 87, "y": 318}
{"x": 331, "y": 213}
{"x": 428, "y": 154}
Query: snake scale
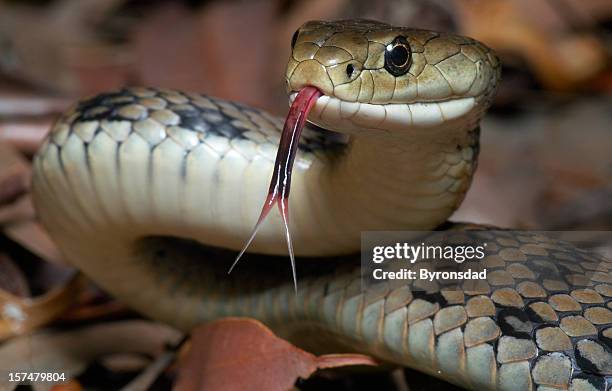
{"x": 130, "y": 184}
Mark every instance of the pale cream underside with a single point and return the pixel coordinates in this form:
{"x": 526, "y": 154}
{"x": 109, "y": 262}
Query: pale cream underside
{"x": 333, "y": 113}
{"x": 218, "y": 200}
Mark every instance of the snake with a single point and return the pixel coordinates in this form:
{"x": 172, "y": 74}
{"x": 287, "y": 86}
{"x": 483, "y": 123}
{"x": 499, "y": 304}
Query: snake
{"x": 153, "y": 192}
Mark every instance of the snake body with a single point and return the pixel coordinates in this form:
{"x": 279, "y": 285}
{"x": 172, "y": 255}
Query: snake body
{"x": 131, "y": 183}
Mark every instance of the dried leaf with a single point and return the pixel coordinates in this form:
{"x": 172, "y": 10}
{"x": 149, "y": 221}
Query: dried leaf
{"x": 71, "y": 351}
{"x": 22, "y": 315}
{"x": 71, "y": 385}
{"x": 241, "y": 353}
{"x": 95, "y": 311}
{"x": 561, "y": 60}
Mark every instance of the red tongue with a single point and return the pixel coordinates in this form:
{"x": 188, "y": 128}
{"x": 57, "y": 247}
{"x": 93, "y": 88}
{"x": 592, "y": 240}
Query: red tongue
{"x": 281, "y": 177}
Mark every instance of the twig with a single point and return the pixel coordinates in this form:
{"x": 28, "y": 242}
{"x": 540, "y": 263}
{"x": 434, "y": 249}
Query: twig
{"x": 144, "y": 381}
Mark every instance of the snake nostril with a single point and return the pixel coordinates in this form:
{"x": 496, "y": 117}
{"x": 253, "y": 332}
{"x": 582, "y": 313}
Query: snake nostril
{"x": 349, "y": 70}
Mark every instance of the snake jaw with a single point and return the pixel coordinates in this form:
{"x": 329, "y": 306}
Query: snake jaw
{"x": 348, "y": 117}
{"x": 280, "y": 184}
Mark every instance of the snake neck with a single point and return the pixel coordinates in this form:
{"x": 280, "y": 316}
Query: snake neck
{"x": 411, "y": 182}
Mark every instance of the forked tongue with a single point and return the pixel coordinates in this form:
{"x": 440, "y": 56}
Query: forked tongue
{"x": 281, "y": 177}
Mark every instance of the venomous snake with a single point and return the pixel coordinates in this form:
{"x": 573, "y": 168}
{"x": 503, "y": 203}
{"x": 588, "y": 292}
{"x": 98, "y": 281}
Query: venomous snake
{"x": 131, "y": 183}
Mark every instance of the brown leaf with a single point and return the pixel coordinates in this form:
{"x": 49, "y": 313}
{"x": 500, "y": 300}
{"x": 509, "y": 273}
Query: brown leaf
{"x": 22, "y": 315}
{"x": 242, "y": 353}
{"x": 70, "y": 351}
{"x": 560, "y": 58}
{"x": 95, "y": 310}
{"x": 71, "y": 385}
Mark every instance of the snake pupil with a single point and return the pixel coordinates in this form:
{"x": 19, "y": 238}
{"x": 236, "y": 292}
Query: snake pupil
{"x": 398, "y": 56}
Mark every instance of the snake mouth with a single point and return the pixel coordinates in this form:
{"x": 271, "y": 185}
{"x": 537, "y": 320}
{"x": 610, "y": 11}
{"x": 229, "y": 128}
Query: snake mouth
{"x": 333, "y": 113}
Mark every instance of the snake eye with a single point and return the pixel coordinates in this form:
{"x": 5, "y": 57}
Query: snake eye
{"x": 349, "y": 70}
{"x": 398, "y": 56}
{"x": 294, "y": 38}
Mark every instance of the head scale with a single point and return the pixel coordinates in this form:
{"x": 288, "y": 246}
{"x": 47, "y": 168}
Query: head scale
{"x": 378, "y": 77}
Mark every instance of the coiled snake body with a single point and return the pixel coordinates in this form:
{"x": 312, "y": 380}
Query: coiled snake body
{"x": 128, "y": 182}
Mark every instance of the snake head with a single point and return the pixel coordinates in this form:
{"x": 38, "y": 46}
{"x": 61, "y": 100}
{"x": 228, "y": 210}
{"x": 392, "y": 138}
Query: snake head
{"x": 374, "y": 76}
{"x": 364, "y": 76}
